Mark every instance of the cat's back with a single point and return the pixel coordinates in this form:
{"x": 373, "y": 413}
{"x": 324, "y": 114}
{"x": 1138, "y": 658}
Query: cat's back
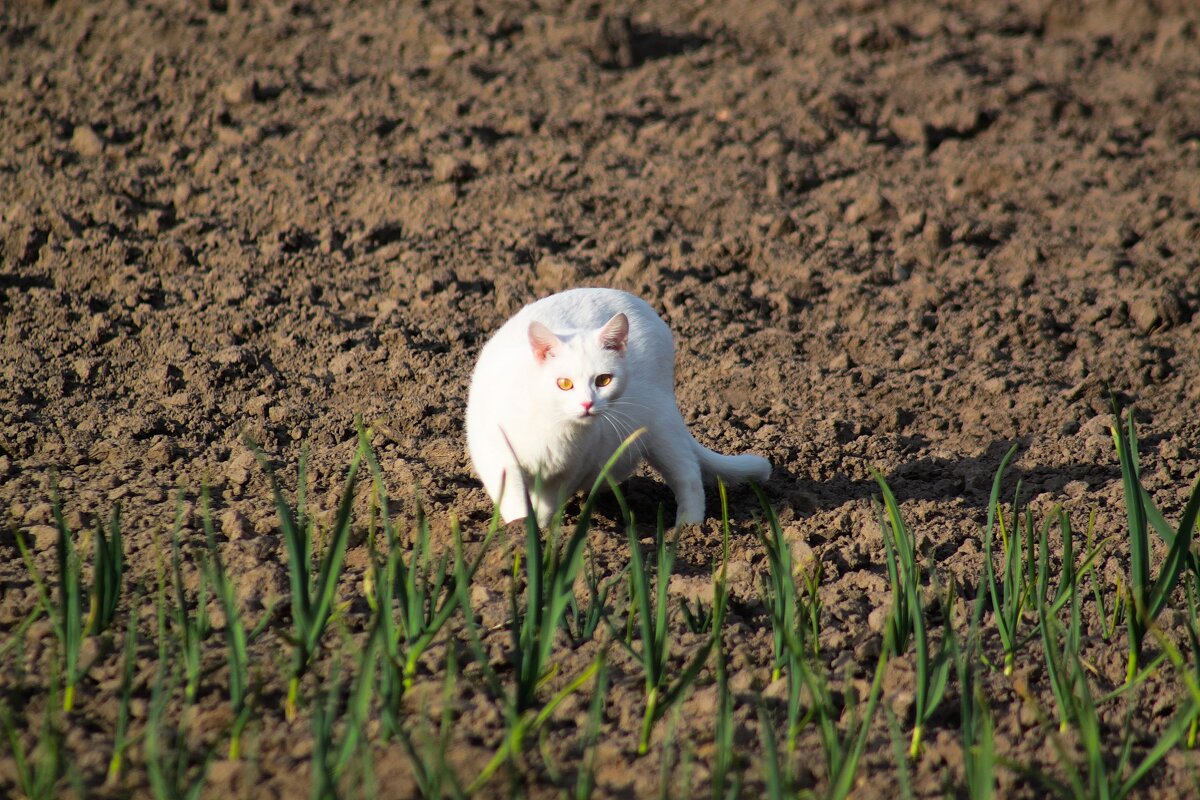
{"x": 650, "y": 344}
{"x": 587, "y": 309}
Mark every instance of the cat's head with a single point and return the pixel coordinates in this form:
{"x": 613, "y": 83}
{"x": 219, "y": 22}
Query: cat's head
{"x": 584, "y": 373}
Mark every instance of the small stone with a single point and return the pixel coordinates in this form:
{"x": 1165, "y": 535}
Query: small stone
{"x": 6, "y": 466}
{"x": 235, "y": 525}
{"x": 777, "y": 689}
{"x": 442, "y": 53}
{"x": 1119, "y": 236}
{"x": 910, "y": 129}
{"x": 613, "y": 43}
{"x": 231, "y": 137}
{"x": 870, "y": 204}
{"x": 180, "y": 399}
{"x": 239, "y": 91}
{"x": 39, "y": 512}
{"x": 877, "y": 619}
{"x": 44, "y": 537}
{"x": 238, "y": 470}
{"x": 342, "y": 363}
{"x": 231, "y": 355}
{"x": 86, "y": 142}
{"x": 841, "y": 361}
{"x": 482, "y": 596}
{"x": 1144, "y": 314}
{"x": 632, "y": 266}
{"x": 181, "y": 195}
{"x": 912, "y": 358}
{"x": 995, "y": 386}
{"x": 224, "y": 771}
{"x": 781, "y": 226}
{"x": 168, "y": 378}
{"x": 451, "y": 169}
{"x": 84, "y": 368}
{"x": 161, "y": 452}
{"x": 912, "y": 223}
{"x": 1075, "y": 488}
{"x": 553, "y": 271}
{"x": 935, "y": 234}
{"x": 775, "y": 182}
{"x": 258, "y": 405}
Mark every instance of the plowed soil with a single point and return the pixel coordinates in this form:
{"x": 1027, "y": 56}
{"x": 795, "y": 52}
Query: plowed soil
{"x": 901, "y": 235}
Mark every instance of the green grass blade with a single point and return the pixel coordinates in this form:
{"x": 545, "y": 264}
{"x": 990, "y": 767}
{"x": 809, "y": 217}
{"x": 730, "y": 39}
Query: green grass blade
{"x": 295, "y": 534}
{"x": 1178, "y": 556}
{"x": 331, "y": 562}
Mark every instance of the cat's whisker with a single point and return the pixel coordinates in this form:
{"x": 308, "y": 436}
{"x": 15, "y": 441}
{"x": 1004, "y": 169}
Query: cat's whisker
{"x": 628, "y": 426}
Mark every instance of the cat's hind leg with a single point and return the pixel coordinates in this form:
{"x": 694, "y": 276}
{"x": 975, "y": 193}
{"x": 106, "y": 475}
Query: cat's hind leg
{"x": 670, "y": 452}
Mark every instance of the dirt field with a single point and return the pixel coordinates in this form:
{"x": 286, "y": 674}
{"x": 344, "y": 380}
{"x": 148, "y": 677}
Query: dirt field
{"x": 903, "y": 235}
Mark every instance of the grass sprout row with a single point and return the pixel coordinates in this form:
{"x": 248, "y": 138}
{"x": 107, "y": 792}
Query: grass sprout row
{"x": 1034, "y": 583}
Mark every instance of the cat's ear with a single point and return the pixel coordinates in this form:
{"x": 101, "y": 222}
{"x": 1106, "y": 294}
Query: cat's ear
{"x": 542, "y": 340}
{"x": 615, "y": 333}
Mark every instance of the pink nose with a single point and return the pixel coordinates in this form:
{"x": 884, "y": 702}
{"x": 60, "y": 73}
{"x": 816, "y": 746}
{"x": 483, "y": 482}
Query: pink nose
{"x": 587, "y": 406}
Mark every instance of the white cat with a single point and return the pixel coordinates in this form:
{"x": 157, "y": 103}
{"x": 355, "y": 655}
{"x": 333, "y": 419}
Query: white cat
{"x": 563, "y": 383}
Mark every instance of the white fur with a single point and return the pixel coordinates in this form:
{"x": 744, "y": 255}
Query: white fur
{"x": 521, "y": 424}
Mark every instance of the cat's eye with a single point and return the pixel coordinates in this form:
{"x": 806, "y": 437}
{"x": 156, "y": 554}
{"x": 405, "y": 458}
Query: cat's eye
{"x": 566, "y": 384}
{"x": 603, "y": 380}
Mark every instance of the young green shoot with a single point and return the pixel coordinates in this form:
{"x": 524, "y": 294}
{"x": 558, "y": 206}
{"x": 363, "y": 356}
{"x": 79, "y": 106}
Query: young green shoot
{"x": 37, "y": 770}
{"x": 237, "y": 638}
{"x": 169, "y": 761}
{"x": 108, "y": 567}
{"x": 121, "y": 738}
{"x": 1149, "y": 593}
{"x": 585, "y": 779}
{"x": 652, "y": 607}
{"x": 843, "y": 748}
{"x": 550, "y": 573}
{"x": 975, "y": 718}
{"x": 726, "y": 779}
{"x": 580, "y": 624}
{"x": 779, "y": 589}
{"x": 1061, "y": 680}
{"x": 69, "y": 621}
{"x": 773, "y": 762}
{"x": 431, "y": 768}
{"x": 331, "y": 757}
{"x": 1009, "y": 594}
{"x": 1111, "y": 616}
{"x": 1101, "y": 778}
{"x": 908, "y": 615}
{"x": 413, "y": 599}
{"x": 312, "y": 602}
{"x": 192, "y": 629}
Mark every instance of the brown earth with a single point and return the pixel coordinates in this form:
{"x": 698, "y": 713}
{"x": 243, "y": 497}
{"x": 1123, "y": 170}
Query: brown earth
{"x": 905, "y": 235}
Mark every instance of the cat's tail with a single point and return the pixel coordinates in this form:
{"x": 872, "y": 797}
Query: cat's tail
{"x": 732, "y": 469}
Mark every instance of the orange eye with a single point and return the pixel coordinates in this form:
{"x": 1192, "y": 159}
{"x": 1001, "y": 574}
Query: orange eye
{"x": 565, "y": 384}
{"x": 603, "y": 380}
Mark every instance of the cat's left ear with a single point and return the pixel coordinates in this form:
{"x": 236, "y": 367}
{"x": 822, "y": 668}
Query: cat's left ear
{"x": 615, "y": 333}
{"x": 542, "y": 340}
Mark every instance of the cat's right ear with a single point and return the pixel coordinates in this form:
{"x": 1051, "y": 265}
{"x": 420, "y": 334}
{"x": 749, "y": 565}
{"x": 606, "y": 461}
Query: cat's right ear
{"x": 542, "y": 340}
{"x": 615, "y": 333}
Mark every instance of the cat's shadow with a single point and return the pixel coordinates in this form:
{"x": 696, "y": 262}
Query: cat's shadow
{"x": 795, "y": 498}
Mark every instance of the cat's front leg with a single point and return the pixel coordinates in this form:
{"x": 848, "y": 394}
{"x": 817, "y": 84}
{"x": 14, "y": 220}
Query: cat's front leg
{"x": 513, "y": 505}
{"x": 547, "y": 502}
